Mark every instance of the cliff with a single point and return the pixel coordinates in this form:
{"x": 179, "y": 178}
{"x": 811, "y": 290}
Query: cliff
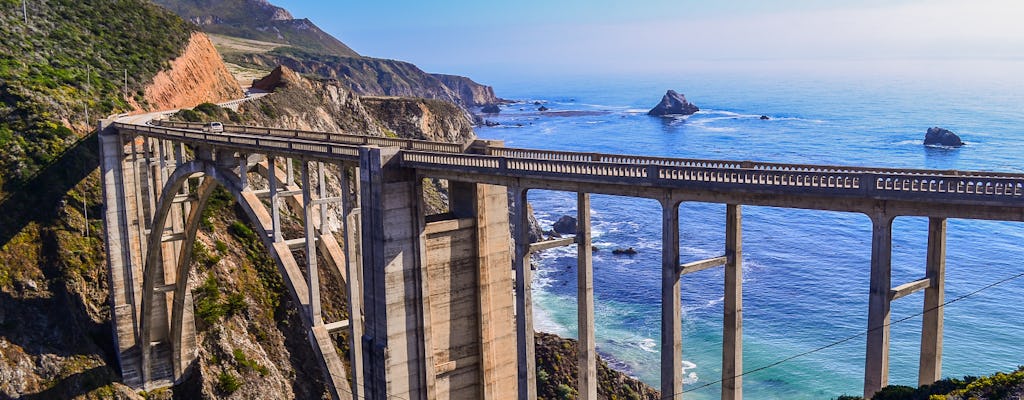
{"x": 557, "y": 371}
{"x": 197, "y": 75}
{"x": 424, "y": 119}
{"x": 374, "y": 76}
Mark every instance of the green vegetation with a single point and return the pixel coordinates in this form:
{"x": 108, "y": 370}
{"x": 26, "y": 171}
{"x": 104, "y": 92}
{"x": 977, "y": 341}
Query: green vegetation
{"x": 995, "y": 387}
{"x": 209, "y": 307}
{"x": 248, "y": 364}
{"x": 228, "y": 383}
{"x": 207, "y": 112}
{"x": 69, "y": 58}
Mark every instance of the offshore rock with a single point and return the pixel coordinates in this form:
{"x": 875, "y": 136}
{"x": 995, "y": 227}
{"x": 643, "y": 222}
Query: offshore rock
{"x": 491, "y": 109}
{"x": 673, "y": 104}
{"x": 942, "y": 137}
{"x": 565, "y": 225}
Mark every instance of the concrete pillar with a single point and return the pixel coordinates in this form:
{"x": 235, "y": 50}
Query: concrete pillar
{"x": 876, "y": 366}
{"x": 243, "y": 171}
{"x": 353, "y": 262}
{"x": 394, "y": 362}
{"x": 671, "y": 309}
{"x": 931, "y": 325}
{"x": 289, "y": 170}
{"x": 312, "y": 272}
{"x": 322, "y": 194}
{"x": 525, "y": 349}
{"x": 275, "y": 199}
{"x": 119, "y": 260}
{"x": 732, "y": 325}
{"x": 587, "y": 379}
{"x": 494, "y": 306}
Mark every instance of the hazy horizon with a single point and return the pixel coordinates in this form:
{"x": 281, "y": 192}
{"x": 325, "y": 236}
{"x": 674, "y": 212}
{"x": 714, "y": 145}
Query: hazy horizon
{"x": 604, "y": 37}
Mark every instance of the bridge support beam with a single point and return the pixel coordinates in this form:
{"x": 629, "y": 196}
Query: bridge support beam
{"x": 930, "y": 369}
{"x": 312, "y": 270}
{"x": 732, "y": 325}
{"x": 671, "y": 308}
{"x": 353, "y": 268}
{"x": 526, "y": 351}
{"x": 876, "y": 366}
{"x": 587, "y": 380}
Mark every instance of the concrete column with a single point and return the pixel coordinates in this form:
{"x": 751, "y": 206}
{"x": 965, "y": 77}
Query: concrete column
{"x": 275, "y": 199}
{"x": 353, "y": 262}
{"x": 312, "y": 272}
{"x": 671, "y": 309}
{"x": 876, "y": 366}
{"x": 732, "y": 325}
{"x": 494, "y": 306}
{"x": 289, "y": 170}
{"x": 931, "y": 326}
{"x": 115, "y": 222}
{"x": 525, "y": 349}
{"x": 322, "y": 194}
{"x": 587, "y": 380}
{"x": 243, "y": 171}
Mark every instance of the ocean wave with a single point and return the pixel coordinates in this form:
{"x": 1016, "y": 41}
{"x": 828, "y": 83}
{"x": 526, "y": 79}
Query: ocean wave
{"x": 689, "y": 378}
{"x": 649, "y": 345}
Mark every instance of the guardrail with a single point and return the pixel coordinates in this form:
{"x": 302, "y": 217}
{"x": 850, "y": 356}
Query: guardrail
{"x": 873, "y": 183}
{"x": 346, "y": 138}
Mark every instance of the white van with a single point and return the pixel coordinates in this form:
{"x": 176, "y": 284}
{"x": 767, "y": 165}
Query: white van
{"x": 213, "y": 127}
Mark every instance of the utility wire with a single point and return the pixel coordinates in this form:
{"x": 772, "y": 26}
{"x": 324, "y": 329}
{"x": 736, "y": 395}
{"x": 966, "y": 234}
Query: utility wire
{"x": 847, "y": 339}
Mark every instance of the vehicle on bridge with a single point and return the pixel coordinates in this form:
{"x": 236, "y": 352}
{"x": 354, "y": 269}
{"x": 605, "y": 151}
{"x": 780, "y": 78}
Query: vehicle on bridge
{"x": 214, "y": 127}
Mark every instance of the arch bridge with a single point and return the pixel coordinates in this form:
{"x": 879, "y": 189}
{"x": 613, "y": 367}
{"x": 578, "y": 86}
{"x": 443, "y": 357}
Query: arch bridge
{"x": 436, "y": 302}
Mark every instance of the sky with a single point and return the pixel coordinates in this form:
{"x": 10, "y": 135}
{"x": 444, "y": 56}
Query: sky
{"x": 615, "y": 36}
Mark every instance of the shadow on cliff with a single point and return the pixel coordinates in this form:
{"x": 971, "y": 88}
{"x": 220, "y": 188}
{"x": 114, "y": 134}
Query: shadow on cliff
{"x": 37, "y": 199}
{"x": 76, "y": 385}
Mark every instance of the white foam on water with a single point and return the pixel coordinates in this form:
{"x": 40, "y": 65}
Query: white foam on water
{"x": 649, "y": 345}
{"x": 689, "y": 378}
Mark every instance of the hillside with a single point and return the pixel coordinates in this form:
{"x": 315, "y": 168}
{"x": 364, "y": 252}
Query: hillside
{"x": 257, "y": 20}
{"x": 59, "y": 73}
{"x": 305, "y": 48}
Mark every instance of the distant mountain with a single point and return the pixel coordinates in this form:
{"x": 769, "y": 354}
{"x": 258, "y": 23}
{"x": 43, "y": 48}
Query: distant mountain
{"x": 257, "y": 20}
{"x": 309, "y": 50}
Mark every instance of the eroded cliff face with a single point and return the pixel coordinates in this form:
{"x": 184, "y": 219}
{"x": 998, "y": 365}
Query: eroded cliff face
{"x": 424, "y": 119}
{"x": 378, "y": 77}
{"x": 197, "y": 76}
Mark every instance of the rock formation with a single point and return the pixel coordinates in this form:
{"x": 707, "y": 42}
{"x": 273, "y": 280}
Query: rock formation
{"x": 565, "y": 225}
{"x": 673, "y": 104}
{"x": 490, "y": 109}
{"x": 197, "y": 75}
{"x": 542, "y": 108}
{"x": 942, "y": 137}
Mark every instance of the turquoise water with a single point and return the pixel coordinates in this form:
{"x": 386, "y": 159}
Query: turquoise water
{"x": 805, "y": 272}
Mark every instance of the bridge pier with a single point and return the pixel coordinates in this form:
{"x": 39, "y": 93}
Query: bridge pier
{"x": 671, "y": 308}
{"x": 732, "y": 325}
{"x": 876, "y": 365}
{"x": 587, "y": 349}
{"x": 930, "y": 369}
{"x": 525, "y": 346}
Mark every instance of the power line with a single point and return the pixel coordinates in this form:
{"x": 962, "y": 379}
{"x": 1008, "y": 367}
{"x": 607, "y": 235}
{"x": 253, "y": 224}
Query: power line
{"x": 847, "y": 339}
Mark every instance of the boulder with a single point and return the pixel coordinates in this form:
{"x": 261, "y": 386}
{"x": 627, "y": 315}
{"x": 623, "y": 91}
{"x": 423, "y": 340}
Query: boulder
{"x": 673, "y": 104}
{"x": 626, "y": 252}
{"x": 565, "y": 225}
{"x": 764, "y": 118}
{"x": 536, "y": 103}
{"x": 491, "y": 109}
{"x": 542, "y": 108}
{"x": 942, "y": 137}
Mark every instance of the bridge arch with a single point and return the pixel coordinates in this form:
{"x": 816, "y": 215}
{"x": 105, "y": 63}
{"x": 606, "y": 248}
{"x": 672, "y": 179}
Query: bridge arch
{"x": 214, "y": 175}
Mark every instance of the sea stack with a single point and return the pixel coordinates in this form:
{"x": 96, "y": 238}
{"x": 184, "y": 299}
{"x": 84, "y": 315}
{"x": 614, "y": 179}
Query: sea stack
{"x": 941, "y": 137}
{"x": 673, "y": 104}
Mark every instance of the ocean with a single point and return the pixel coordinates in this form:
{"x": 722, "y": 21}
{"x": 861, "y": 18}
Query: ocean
{"x": 805, "y": 272}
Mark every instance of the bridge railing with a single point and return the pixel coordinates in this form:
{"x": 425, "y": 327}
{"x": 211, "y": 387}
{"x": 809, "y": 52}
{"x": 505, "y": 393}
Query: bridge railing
{"x": 344, "y": 138}
{"x": 555, "y": 155}
{"x": 257, "y": 144}
{"x": 653, "y": 172}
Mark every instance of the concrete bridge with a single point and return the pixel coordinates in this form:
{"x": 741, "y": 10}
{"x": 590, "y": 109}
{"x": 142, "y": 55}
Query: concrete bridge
{"x": 438, "y": 301}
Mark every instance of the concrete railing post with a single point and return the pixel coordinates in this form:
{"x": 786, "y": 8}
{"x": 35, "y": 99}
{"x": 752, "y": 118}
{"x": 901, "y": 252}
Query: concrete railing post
{"x": 525, "y": 351}
{"x": 671, "y": 308}
{"x": 876, "y": 366}
{"x": 587, "y": 380}
{"x": 930, "y": 369}
{"x": 732, "y": 325}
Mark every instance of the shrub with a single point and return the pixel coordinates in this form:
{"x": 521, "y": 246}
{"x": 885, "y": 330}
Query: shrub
{"x": 228, "y": 383}
{"x": 241, "y": 231}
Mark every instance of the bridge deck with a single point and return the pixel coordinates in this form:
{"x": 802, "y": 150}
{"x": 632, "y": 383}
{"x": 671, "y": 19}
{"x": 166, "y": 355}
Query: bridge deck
{"x": 997, "y": 195}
